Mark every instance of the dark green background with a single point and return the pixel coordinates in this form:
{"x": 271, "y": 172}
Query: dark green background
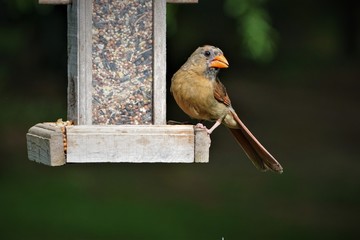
{"x": 303, "y": 104}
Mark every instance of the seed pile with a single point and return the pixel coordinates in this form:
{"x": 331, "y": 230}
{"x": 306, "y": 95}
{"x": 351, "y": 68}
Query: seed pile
{"x": 122, "y": 56}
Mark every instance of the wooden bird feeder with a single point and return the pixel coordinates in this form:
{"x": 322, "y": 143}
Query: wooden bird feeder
{"x": 116, "y": 90}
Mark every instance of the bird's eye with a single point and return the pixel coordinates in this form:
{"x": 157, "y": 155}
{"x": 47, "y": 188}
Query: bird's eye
{"x": 207, "y": 53}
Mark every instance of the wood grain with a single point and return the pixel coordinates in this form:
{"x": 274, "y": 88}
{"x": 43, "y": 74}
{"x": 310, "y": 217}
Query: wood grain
{"x": 135, "y": 144}
{"x": 45, "y": 144}
{"x": 159, "y": 71}
{"x": 80, "y": 61}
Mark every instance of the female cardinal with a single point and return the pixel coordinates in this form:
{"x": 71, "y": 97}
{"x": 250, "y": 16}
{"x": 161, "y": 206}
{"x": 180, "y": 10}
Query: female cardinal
{"x": 200, "y": 94}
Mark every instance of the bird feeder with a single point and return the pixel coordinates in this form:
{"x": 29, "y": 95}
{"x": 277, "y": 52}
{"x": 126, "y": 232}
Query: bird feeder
{"x": 116, "y": 90}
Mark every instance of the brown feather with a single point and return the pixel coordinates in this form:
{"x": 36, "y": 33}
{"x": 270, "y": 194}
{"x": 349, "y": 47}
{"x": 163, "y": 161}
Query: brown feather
{"x": 201, "y": 95}
{"x": 220, "y": 93}
{"x": 260, "y": 157}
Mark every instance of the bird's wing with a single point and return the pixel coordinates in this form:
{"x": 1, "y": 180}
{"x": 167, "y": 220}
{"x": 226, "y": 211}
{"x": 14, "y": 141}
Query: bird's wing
{"x": 220, "y": 93}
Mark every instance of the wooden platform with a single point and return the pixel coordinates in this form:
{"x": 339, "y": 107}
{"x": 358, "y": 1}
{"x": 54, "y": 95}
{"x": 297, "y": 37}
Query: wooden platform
{"x": 117, "y": 144}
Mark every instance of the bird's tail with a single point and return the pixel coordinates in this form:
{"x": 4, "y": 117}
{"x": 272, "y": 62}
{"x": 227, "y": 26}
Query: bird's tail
{"x": 260, "y": 157}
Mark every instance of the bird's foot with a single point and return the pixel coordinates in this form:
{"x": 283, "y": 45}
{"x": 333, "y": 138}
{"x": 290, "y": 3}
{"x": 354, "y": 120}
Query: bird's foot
{"x": 202, "y": 126}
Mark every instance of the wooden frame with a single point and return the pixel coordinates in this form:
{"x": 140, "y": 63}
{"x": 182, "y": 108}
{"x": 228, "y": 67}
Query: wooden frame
{"x": 55, "y": 144}
{"x": 79, "y": 61}
{"x": 116, "y": 143}
{"x": 159, "y": 63}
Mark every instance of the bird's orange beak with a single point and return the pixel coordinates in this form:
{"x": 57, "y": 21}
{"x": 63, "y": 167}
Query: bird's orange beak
{"x": 219, "y": 62}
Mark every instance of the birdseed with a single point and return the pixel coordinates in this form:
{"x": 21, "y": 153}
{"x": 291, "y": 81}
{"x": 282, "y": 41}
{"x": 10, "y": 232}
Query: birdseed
{"x": 122, "y": 56}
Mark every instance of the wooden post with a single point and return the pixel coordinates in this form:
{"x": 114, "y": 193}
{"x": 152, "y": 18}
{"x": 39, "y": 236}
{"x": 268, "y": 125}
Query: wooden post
{"x": 202, "y": 144}
{"x": 45, "y": 142}
{"x": 159, "y": 62}
{"x": 117, "y": 90}
{"x": 80, "y": 62}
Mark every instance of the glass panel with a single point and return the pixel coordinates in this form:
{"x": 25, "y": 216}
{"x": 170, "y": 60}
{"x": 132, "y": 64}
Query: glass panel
{"x": 122, "y": 65}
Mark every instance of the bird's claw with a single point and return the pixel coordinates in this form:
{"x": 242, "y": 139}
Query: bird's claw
{"x": 201, "y": 126}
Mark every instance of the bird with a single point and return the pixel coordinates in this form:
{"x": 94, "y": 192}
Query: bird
{"x": 198, "y": 91}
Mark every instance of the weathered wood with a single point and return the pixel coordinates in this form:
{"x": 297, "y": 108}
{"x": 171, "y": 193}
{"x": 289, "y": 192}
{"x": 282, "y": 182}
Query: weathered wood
{"x": 130, "y": 143}
{"x": 45, "y": 144}
{"x": 54, "y": 1}
{"x": 159, "y": 86}
{"x": 202, "y": 145}
{"x": 117, "y": 143}
{"x": 80, "y": 61}
{"x": 96, "y": 41}
{"x": 182, "y": 1}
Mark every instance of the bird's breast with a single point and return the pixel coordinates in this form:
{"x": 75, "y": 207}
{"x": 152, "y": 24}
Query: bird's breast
{"x": 195, "y": 96}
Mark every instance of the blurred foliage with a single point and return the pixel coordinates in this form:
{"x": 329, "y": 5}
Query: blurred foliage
{"x": 27, "y": 41}
{"x": 20, "y": 7}
{"x": 171, "y": 12}
{"x": 255, "y": 33}
{"x": 257, "y": 36}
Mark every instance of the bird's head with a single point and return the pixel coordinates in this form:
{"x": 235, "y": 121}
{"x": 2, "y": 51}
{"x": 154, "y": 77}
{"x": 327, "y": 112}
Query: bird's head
{"x": 207, "y": 59}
